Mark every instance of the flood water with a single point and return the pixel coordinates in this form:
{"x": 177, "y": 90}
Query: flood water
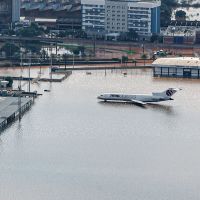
{"x": 71, "y": 146}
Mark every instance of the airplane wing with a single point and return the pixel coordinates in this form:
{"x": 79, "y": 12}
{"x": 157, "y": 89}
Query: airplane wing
{"x": 138, "y": 102}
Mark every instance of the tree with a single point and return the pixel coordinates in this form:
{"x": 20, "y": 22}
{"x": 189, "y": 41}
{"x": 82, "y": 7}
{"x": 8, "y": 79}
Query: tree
{"x": 32, "y": 31}
{"x": 134, "y": 61}
{"x": 10, "y": 49}
{"x": 10, "y": 81}
{"x": 154, "y": 38}
{"x": 166, "y": 11}
{"x": 144, "y": 57}
{"x": 132, "y": 35}
{"x": 65, "y": 59}
{"x": 82, "y": 50}
{"x": 180, "y": 15}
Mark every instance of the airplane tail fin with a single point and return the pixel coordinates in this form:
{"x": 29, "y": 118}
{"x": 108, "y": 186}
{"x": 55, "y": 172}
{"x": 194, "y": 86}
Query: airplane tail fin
{"x": 167, "y": 93}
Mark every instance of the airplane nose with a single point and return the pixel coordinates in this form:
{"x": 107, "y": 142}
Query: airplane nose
{"x": 100, "y": 97}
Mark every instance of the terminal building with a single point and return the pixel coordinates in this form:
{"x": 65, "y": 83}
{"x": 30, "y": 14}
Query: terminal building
{"x": 179, "y": 67}
{"x": 116, "y": 17}
{"x": 9, "y": 13}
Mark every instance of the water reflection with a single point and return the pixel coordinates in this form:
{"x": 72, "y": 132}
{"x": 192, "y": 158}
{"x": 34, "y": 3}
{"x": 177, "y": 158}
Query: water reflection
{"x": 153, "y": 106}
{"x": 120, "y": 104}
{"x": 163, "y": 108}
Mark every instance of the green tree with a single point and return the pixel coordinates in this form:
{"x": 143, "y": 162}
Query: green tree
{"x": 76, "y": 51}
{"x": 10, "y": 81}
{"x": 144, "y": 57}
{"x": 166, "y": 11}
{"x": 124, "y": 59}
{"x": 134, "y": 61}
{"x": 180, "y": 14}
{"x": 32, "y": 31}
{"x": 10, "y": 49}
{"x": 65, "y": 59}
{"x": 154, "y": 38}
{"x": 132, "y": 35}
{"x": 33, "y": 47}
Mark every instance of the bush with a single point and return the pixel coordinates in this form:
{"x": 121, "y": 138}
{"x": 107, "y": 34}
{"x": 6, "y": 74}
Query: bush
{"x": 10, "y": 81}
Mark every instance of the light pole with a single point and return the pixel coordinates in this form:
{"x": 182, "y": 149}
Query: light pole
{"x": 51, "y": 64}
{"x": 73, "y": 60}
{"x": 29, "y": 72}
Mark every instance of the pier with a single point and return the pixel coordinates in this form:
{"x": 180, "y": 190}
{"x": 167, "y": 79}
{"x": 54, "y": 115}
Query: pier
{"x": 11, "y": 109}
{"x": 64, "y": 70}
{"x": 65, "y": 76}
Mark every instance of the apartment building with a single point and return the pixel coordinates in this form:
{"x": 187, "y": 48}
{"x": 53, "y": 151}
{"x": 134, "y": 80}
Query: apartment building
{"x": 16, "y": 5}
{"x": 9, "y": 12}
{"x": 93, "y": 16}
{"x": 116, "y": 16}
{"x": 120, "y": 16}
{"x": 144, "y": 17}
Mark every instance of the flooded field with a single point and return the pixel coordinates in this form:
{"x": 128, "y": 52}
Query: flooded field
{"x": 71, "y": 146}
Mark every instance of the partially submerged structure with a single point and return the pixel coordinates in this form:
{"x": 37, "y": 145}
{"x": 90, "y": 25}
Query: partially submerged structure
{"x": 180, "y": 67}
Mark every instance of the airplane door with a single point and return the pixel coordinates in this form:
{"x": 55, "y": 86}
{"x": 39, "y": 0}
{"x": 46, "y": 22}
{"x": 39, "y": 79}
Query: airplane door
{"x": 187, "y": 73}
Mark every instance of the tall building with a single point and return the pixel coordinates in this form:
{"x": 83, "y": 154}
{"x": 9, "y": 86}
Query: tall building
{"x": 93, "y": 16}
{"x": 16, "y": 5}
{"x": 116, "y": 16}
{"x": 9, "y": 12}
{"x": 121, "y": 16}
{"x": 5, "y": 13}
{"x": 144, "y": 17}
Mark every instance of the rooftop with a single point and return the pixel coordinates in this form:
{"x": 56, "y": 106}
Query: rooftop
{"x": 9, "y": 105}
{"x": 178, "y": 61}
{"x": 180, "y": 31}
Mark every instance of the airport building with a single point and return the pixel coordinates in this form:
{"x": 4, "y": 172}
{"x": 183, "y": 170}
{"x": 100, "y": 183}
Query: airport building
{"x": 179, "y": 67}
{"x": 93, "y": 16}
{"x": 116, "y": 17}
{"x": 9, "y": 13}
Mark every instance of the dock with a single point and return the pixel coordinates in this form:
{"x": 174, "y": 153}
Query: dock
{"x": 11, "y": 109}
{"x": 64, "y": 70}
{"x": 65, "y": 76}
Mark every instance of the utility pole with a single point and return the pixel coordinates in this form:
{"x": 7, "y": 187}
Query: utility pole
{"x": 20, "y": 88}
{"x": 73, "y": 60}
{"x": 51, "y": 66}
{"x": 94, "y": 45}
{"x": 29, "y": 72}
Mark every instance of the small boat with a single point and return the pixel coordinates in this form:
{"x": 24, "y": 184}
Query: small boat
{"x": 47, "y": 90}
{"x": 88, "y": 73}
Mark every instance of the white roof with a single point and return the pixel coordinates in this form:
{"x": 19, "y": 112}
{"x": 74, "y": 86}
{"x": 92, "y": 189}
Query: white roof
{"x": 152, "y": 4}
{"x": 92, "y": 2}
{"x": 178, "y": 61}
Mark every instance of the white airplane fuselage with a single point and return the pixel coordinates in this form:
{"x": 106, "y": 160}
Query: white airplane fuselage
{"x": 140, "y": 98}
{"x": 130, "y": 97}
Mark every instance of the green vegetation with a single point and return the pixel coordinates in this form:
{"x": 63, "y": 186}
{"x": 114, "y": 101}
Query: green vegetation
{"x": 144, "y": 57}
{"x": 134, "y": 61}
{"x": 72, "y": 33}
{"x": 124, "y": 59}
{"x": 180, "y": 14}
{"x": 166, "y": 11}
{"x": 132, "y": 35}
{"x": 10, "y": 81}
{"x": 32, "y": 31}
{"x": 10, "y": 49}
{"x": 129, "y": 52}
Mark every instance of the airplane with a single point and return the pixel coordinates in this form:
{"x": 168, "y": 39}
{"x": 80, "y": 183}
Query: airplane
{"x": 140, "y": 99}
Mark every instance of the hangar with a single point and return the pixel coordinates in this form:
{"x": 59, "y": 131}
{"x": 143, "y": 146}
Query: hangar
{"x": 179, "y": 67}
